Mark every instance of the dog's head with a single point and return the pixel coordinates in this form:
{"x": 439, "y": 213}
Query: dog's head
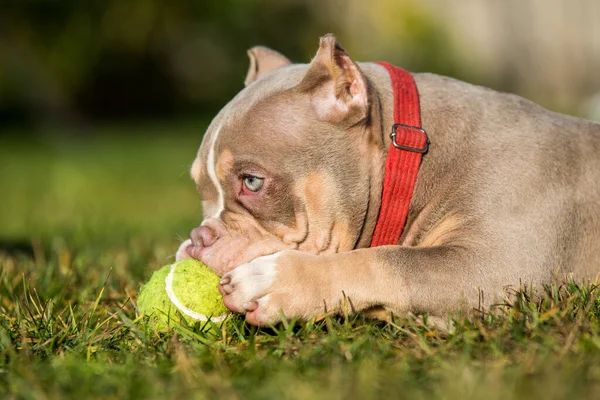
{"x": 288, "y": 163}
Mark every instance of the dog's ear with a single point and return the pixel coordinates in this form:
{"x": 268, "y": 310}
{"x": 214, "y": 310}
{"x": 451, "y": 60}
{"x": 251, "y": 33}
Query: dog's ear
{"x": 262, "y": 61}
{"x": 337, "y": 86}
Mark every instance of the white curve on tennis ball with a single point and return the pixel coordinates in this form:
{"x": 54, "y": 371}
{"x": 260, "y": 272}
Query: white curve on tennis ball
{"x": 190, "y": 313}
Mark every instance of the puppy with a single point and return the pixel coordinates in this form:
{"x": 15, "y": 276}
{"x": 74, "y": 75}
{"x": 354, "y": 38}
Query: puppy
{"x": 291, "y": 173}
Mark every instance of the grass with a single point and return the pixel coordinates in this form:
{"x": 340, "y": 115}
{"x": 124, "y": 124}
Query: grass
{"x": 84, "y": 222}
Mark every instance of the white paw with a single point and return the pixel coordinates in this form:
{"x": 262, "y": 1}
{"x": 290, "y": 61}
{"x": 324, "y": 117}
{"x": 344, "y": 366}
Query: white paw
{"x": 249, "y": 283}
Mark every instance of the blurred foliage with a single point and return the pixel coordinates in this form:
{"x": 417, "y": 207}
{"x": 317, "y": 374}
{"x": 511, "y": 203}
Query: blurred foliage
{"x": 68, "y": 62}
{"x": 113, "y": 58}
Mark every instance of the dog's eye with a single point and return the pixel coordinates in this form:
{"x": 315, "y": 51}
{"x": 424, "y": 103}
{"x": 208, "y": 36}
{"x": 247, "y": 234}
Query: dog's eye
{"x": 253, "y": 183}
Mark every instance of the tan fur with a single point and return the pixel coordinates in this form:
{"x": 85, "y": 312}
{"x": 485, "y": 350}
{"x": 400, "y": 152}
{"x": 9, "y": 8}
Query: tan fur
{"x": 442, "y": 232}
{"x": 224, "y": 164}
{"x": 196, "y": 170}
{"x": 309, "y": 189}
{"x": 507, "y": 194}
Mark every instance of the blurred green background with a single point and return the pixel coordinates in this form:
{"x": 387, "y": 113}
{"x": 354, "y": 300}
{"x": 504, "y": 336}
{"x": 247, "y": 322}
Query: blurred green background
{"x": 72, "y": 61}
{"x": 103, "y": 103}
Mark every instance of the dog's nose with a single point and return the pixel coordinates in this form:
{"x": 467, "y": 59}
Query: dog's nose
{"x": 202, "y": 236}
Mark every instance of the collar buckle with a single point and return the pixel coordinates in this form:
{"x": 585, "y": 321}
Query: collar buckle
{"x": 405, "y": 129}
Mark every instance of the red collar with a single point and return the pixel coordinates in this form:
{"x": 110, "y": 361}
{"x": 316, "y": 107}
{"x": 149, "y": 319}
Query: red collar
{"x": 409, "y": 143}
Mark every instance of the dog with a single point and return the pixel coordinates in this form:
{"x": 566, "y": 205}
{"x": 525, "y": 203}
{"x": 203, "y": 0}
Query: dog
{"x": 291, "y": 173}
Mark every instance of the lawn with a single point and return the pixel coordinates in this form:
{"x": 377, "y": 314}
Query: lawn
{"x": 84, "y": 220}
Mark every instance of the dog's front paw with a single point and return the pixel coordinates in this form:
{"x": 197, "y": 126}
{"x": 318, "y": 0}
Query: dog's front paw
{"x": 250, "y": 284}
{"x": 271, "y": 287}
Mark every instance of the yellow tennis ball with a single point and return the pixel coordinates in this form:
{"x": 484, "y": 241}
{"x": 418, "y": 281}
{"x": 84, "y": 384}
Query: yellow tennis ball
{"x": 187, "y": 289}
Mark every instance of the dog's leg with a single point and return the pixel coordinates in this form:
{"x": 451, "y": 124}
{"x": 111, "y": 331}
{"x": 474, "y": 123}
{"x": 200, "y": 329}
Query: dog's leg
{"x": 400, "y": 279}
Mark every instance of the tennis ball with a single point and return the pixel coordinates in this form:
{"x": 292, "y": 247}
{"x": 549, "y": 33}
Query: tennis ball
{"x": 185, "y": 289}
